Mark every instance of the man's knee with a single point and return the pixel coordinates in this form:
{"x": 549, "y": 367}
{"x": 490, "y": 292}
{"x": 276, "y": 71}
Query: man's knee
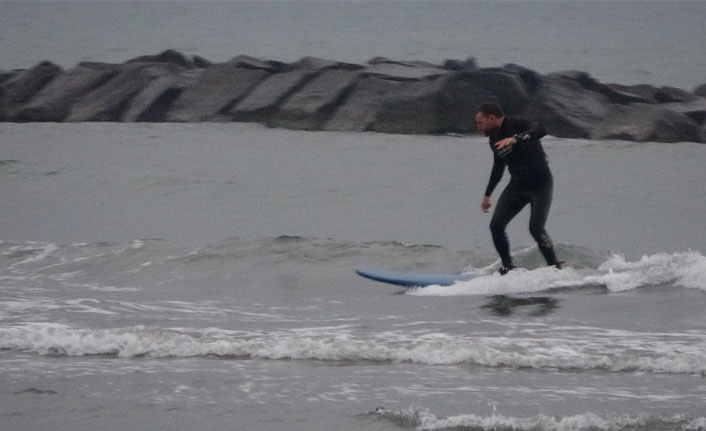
{"x": 497, "y": 226}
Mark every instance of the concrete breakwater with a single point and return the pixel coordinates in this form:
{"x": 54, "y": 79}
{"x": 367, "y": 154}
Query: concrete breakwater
{"x": 382, "y": 95}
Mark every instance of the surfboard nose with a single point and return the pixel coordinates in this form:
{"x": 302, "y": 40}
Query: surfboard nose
{"x": 409, "y": 279}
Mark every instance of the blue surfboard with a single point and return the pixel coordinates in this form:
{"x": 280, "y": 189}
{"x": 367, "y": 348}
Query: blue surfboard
{"x": 411, "y": 279}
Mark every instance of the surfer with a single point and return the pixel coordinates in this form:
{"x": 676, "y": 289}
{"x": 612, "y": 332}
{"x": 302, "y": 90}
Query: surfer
{"x": 516, "y": 144}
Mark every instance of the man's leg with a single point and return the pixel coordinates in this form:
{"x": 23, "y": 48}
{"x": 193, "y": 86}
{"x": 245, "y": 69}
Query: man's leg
{"x": 541, "y": 202}
{"x": 509, "y": 204}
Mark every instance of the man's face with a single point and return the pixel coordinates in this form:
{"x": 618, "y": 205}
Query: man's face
{"x": 486, "y": 124}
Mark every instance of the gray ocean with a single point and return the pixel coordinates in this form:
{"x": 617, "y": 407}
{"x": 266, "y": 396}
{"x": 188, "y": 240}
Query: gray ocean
{"x": 201, "y": 276}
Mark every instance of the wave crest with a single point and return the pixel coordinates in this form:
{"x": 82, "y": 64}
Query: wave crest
{"x": 621, "y": 351}
{"x": 616, "y": 274}
{"x": 425, "y": 421}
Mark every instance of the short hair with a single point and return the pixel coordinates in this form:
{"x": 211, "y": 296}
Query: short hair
{"x": 490, "y": 108}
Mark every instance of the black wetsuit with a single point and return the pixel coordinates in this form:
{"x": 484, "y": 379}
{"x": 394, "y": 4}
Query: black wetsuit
{"x": 531, "y": 183}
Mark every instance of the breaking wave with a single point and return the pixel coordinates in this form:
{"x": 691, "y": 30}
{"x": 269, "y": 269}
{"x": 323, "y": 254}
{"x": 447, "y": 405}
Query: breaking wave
{"x": 595, "y": 349}
{"x": 425, "y": 421}
{"x": 616, "y": 274}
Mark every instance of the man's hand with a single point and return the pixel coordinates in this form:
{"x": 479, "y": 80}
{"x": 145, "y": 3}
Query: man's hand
{"x": 486, "y": 204}
{"x": 505, "y": 142}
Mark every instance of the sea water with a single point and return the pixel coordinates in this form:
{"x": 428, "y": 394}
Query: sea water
{"x": 201, "y": 276}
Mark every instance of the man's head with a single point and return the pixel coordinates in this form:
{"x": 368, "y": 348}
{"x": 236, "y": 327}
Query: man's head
{"x": 489, "y": 118}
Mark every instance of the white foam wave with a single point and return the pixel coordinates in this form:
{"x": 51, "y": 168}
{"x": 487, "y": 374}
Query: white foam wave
{"x": 616, "y": 274}
{"x": 618, "y": 351}
{"x": 682, "y": 269}
{"x": 36, "y": 252}
{"x": 425, "y": 421}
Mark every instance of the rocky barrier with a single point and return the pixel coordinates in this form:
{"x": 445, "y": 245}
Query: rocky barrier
{"x": 315, "y": 94}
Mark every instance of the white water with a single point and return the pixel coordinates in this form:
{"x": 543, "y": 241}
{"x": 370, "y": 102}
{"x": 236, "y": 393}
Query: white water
{"x": 615, "y": 274}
